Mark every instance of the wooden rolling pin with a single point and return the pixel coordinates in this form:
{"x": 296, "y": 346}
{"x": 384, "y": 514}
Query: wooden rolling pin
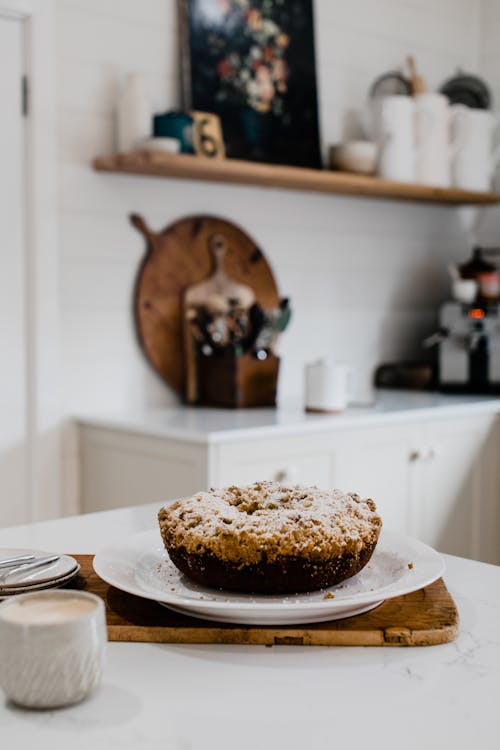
{"x": 418, "y": 84}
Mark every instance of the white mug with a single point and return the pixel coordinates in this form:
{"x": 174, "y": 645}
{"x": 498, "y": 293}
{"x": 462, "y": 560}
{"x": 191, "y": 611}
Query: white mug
{"x": 327, "y": 386}
{"x": 394, "y": 132}
{"x": 435, "y": 149}
{"x": 476, "y": 157}
{"x": 52, "y": 647}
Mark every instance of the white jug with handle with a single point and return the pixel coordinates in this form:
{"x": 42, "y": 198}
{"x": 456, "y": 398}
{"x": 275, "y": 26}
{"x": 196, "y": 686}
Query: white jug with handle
{"x": 477, "y": 157}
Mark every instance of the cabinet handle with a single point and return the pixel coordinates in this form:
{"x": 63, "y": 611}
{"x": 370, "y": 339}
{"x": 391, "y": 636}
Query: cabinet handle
{"x": 289, "y": 474}
{"x": 415, "y": 456}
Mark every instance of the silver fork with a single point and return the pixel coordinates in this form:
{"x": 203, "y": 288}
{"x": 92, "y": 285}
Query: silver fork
{"x": 10, "y": 562}
{"x": 38, "y": 563}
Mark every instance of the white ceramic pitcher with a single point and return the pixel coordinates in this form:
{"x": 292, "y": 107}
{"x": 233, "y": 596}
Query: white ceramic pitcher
{"x": 414, "y": 139}
{"x": 477, "y": 157}
{"x": 394, "y": 132}
{"x": 436, "y": 146}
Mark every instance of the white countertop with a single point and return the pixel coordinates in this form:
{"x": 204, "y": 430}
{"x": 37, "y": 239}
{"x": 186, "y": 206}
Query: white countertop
{"x": 204, "y": 425}
{"x": 216, "y": 697}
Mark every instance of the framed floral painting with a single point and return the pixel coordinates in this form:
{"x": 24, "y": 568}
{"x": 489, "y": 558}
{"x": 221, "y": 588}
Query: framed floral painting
{"x": 252, "y": 62}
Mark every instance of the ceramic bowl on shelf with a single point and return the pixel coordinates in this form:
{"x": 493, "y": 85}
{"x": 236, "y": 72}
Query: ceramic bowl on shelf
{"x": 166, "y": 145}
{"x": 359, "y": 157}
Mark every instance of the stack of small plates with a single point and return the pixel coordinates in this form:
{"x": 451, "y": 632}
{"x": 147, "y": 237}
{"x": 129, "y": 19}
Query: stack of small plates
{"x": 19, "y": 579}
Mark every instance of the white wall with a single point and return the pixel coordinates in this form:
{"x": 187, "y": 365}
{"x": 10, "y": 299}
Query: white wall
{"x": 489, "y": 64}
{"x": 364, "y": 276}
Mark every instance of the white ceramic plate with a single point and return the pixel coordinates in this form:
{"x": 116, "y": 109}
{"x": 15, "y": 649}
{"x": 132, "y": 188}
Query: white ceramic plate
{"x": 58, "y": 569}
{"x": 141, "y": 566}
{"x": 57, "y": 583}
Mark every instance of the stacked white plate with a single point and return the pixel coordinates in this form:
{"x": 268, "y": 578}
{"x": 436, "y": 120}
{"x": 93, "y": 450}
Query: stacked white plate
{"x": 140, "y": 565}
{"x": 22, "y": 580}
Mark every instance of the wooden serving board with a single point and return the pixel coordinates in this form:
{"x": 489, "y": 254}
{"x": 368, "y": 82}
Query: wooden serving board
{"x": 423, "y": 618}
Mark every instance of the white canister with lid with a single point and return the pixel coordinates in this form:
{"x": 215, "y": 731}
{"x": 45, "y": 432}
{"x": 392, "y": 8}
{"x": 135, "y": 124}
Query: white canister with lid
{"x": 327, "y": 386}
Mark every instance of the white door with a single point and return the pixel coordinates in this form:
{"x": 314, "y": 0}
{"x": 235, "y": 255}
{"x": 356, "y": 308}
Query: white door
{"x": 13, "y": 344}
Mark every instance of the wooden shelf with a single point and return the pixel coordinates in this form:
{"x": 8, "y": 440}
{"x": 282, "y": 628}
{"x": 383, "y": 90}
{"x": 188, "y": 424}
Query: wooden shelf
{"x": 234, "y": 171}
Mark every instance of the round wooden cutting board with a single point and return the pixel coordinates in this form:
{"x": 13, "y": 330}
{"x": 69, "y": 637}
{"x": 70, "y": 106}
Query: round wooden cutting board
{"x": 176, "y": 258}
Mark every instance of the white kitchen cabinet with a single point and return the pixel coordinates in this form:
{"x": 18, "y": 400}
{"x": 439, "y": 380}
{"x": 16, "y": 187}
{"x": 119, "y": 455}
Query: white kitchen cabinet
{"x": 436, "y": 478}
{"x": 121, "y": 469}
{"x": 374, "y": 463}
{"x": 294, "y": 460}
{"x": 454, "y": 487}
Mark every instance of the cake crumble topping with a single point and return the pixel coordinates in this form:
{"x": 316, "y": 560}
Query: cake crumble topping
{"x": 268, "y": 521}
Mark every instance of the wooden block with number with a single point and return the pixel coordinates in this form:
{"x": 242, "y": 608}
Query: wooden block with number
{"x": 208, "y": 139}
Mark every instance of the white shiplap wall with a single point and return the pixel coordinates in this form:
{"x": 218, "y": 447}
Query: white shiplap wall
{"x": 364, "y": 276}
{"x": 489, "y": 64}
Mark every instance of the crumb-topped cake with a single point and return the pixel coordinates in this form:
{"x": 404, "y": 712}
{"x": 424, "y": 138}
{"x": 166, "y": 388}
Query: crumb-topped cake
{"x": 267, "y": 537}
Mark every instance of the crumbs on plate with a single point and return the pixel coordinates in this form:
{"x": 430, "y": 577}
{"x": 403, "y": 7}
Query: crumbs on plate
{"x": 329, "y": 595}
{"x": 410, "y": 566}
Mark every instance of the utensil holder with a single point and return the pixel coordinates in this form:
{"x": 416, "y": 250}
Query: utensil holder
{"x": 236, "y": 382}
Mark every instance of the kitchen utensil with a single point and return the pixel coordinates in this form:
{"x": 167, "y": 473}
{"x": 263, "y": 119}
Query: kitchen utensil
{"x": 421, "y": 618}
{"x": 476, "y": 157}
{"x": 328, "y": 386}
{"x": 52, "y": 647}
{"x": 466, "y": 89}
{"x": 359, "y": 157}
{"x": 140, "y": 565}
{"x": 392, "y": 83}
{"x": 418, "y": 85}
{"x": 18, "y": 560}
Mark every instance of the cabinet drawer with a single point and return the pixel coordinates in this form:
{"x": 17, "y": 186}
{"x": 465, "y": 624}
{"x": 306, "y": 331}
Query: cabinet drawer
{"x": 282, "y": 460}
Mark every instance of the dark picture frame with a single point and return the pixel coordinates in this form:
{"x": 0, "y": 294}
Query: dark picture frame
{"x": 252, "y": 62}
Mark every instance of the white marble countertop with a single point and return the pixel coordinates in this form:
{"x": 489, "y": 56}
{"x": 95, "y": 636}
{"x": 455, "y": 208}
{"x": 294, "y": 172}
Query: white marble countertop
{"x": 206, "y": 425}
{"x": 216, "y": 697}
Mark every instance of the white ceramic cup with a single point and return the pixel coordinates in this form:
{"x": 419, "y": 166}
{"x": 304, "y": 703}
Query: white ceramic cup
{"x": 394, "y": 131}
{"x": 476, "y": 156}
{"x": 52, "y": 647}
{"x": 434, "y": 149}
{"x": 464, "y": 290}
{"x": 327, "y": 386}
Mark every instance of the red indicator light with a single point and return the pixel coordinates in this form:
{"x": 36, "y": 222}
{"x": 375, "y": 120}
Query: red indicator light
{"x": 476, "y": 313}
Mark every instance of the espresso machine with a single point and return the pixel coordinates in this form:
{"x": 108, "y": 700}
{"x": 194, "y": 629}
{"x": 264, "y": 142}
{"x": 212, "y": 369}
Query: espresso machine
{"x": 468, "y": 342}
